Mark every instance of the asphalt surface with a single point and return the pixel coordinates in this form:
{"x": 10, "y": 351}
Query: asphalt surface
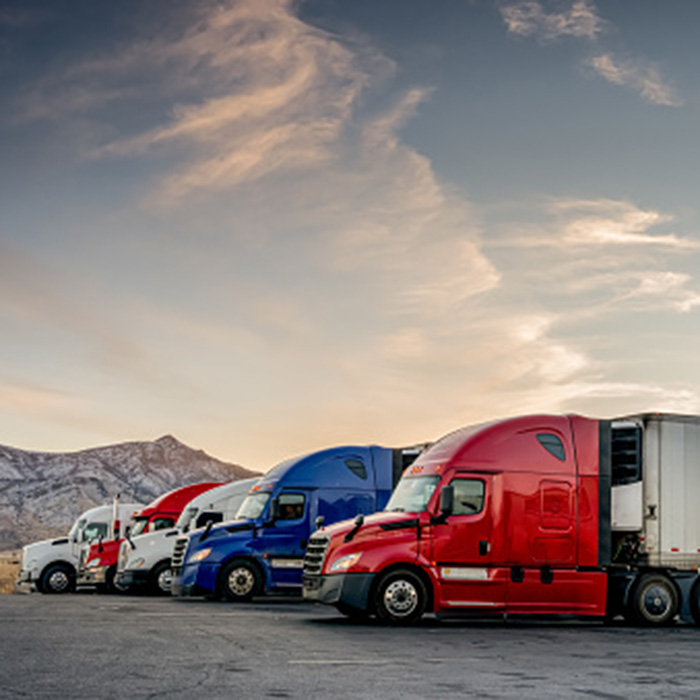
{"x": 88, "y": 646}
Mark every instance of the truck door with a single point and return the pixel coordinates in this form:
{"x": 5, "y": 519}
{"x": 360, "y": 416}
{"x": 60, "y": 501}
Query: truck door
{"x": 284, "y": 540}
{"x": 465, "y": 546}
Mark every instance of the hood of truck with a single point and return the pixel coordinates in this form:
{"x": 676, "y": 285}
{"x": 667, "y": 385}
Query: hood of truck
{"x": 56, "y": 548}
{"x": 150, "y": 546}
{"x": 222, "y": 536}
{"x": 394, "y": 529}
{"x": 108, "y": 555}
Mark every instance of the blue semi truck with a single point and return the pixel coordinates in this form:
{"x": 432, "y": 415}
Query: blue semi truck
{"x": 262, "y": 550}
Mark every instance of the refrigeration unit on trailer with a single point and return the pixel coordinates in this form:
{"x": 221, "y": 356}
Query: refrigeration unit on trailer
{"x": 145, "y": 559}
{"x": 535, "y": 515}
{"x": 97, "y": 567}
{"x": 262, "y": 550}
{"x": 51, "y": 565}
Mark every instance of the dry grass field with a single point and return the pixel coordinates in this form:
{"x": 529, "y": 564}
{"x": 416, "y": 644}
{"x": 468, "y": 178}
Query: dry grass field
{"x": 9, "y": 563}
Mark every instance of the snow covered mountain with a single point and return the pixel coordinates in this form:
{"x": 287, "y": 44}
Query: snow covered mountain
{"x": 42, "y": 493}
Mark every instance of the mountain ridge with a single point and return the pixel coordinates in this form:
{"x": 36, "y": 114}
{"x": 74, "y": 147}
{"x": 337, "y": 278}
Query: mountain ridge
{"x": 42, "y": 493}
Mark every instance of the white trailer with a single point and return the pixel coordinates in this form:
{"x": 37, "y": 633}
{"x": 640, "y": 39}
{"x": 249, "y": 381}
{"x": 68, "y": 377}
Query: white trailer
{"x": 655, "y": 519}
{"x": 50, "y": 566}
{"x": 144, "y": 560}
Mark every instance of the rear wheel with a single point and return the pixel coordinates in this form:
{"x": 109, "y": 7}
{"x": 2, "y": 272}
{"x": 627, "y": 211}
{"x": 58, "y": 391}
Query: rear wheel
{"x": 401, "y": 598}
{"x": 695, "y": 602}
{"x": 58, "y": 578}
{"x": 653, "y": 601}
{"x": 161, "y": 579}
{"x": 240, "y": 580}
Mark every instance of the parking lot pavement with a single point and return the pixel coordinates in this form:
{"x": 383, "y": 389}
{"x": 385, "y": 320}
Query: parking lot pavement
{"x": 87, "y": 646}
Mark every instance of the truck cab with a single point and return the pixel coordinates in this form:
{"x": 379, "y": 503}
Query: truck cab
{"x": 262, "y": 550}
{"x": 51, "y": 565}
{"x": 145, "y": 559}
{"x": 98, "y": 561}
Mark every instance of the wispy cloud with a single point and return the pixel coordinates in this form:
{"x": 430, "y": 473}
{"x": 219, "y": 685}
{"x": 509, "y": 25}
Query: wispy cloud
{"x": 641, "y": 76}
{"x": 600, "y": 222}
{"x": 577, "y": 19}
{"x": 613, "y": 222}
{"x": 580, "y": 20}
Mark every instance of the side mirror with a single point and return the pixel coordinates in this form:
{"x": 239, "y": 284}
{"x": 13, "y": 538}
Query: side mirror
{"x": 100, "y": 548}
{"x": 274, "y": 509}
{"x": 447, "y": 501}
{"x": 127, "y": 531}
{"x": 319, "y": 522}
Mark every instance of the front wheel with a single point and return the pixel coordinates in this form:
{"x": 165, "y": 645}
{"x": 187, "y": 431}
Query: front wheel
{"x": 653, "y": 601}
{"x": 401, "y": 598}
{"x": 240, "y": 580}
{"x": 161, "y": 579}
{"x": 58, "y": 578}
{"x": 111, "y": 586}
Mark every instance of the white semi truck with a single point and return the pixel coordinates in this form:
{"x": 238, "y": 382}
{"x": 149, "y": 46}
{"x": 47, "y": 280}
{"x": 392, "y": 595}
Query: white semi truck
{"x": 50, "y": 566}
{"x": 144, "y": 560}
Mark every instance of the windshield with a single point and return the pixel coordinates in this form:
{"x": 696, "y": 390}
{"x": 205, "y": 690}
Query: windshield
{"x": 186, "y": 517}
{"x": 253, "y": 506}
{"x": 412, "y": 494}
{"x": 77, "y": 526}
{"x": 140, "y": 525}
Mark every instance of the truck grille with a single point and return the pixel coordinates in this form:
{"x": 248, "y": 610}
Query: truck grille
{"x": 315, "y": 554}
{"x": 179, "y": 550}
{"x": 123, "y": 555}
{"x": 81, "y": 559}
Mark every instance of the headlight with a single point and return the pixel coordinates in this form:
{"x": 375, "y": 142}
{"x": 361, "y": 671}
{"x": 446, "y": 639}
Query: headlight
{"x": 93, "y": 563}
{"x": 344, "y": 563}
{"x": 137, "y": 563}
{"x": 201, "y": 554}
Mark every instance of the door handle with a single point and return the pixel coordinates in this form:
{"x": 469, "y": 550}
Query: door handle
{"x": 484, "y": 547}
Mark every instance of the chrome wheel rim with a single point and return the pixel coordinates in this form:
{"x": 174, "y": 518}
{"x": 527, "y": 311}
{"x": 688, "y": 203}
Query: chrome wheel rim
{"x": 165, "y": 580}
{"x": 401, "y": 598}
{"x": 657, "y": 601}
{"x": 59, "y": 581}
{"x": 241, "y": 581}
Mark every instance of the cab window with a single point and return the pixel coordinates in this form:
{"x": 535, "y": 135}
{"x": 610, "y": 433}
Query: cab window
{"x": 469, "y": 496}
{"x": 161, "y": 524}
{"x": 94, "y": 530}
{"x": 291, "y": 506}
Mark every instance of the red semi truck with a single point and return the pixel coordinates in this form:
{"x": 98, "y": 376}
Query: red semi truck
{"x": 560, "y": 515}
{"x": 98, "y": 561}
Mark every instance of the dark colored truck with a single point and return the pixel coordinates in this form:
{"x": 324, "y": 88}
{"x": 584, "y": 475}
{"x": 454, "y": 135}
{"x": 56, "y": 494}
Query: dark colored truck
{"x": 262, "y": 550}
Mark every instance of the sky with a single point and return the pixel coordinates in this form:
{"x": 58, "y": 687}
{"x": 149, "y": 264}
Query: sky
{"x": 272, "y": 226}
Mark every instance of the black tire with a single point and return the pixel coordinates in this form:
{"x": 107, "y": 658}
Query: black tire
{"x": 694, "y": 601}
{"x": 351, "y": 612}
{"x": 110, "y": 585}
{"x": 653, "y": 601}
{"x": 57, "y": 579}
{"x": 240, "y": 580}
{"x": 161, "y": 579}
{"x": 400, "y": 598}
